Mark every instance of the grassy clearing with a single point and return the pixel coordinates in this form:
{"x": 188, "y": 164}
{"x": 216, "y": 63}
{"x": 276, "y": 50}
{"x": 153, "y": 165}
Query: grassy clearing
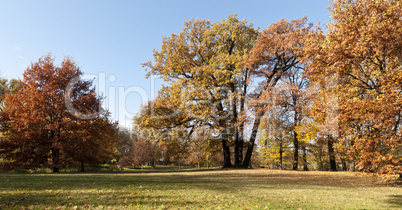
{"x": 242, "y": 189}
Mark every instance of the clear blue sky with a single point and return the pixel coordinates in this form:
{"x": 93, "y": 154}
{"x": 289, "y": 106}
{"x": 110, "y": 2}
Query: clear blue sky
{"x": 113, "y": 38}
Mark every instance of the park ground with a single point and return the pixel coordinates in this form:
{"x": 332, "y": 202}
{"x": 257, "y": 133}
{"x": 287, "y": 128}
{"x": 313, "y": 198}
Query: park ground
{"x": 202, "y": 189}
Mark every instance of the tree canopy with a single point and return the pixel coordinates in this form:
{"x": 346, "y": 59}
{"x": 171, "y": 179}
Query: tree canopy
{"x": 361, "y": 52}
{"x": 205, "y": 65}
{"x": 40, "y": 131}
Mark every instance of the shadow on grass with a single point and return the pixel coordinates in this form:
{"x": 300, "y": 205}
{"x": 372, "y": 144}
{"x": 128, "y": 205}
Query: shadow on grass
{"x": 395, "y": 201}
{"x": 93, "y": 199}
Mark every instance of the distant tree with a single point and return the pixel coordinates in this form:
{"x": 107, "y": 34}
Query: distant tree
{"x": 308, "y": 137}
{"x": 197, "y": 151}
{"x": 6, "y": 87}
{"x": 164, "y": 121}
{"x": 10, "y": 87}
{"x": 39, "y": 128}
{"x": 291, "y": 97}
{"x": 275, "y": 137}
{"x": 274, "y": 148}
{"x": 141, "y": 153}
{"x": 125, "y": 140}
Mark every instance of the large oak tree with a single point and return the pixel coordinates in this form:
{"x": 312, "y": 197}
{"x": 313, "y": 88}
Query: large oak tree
{"x": 205, "y": 63}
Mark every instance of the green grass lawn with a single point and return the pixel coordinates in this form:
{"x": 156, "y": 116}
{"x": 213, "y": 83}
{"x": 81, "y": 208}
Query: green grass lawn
{"x": 159, "y": 189}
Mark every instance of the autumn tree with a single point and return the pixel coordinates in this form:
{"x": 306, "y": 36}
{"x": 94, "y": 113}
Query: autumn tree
{"x": 286, "y": 111}
{"x": 275, "y": 138}
{"x": 164, "y": 121}
{"x": 180, "y": 139}
{"x": 91, "y": 141}
{"x": 10, "y": 87}
{"x": 57, "y": 117}
{"x": 278, "y": 53}
{"x": 6, "y": 87}
{"x": 206, "y": 62}
{"x": 141, "y": 153}
{"x": 202, "y": 149}
{"x": 125, "y": 140}
{"x": 362, "y": 50}
{"x": 292, "y": 98}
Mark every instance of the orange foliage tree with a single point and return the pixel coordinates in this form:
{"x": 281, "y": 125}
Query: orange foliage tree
{"x": 362, "y": 50}
{"x": 278, "y": 57}
{"x": 41, "y": 132}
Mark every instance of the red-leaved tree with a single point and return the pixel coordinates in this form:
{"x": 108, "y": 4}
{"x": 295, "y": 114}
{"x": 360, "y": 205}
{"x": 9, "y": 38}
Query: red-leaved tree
{"x": 39, "y": 129}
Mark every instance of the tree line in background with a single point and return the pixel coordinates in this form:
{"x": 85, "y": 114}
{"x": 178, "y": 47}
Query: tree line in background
{"x": 292, "y": 95}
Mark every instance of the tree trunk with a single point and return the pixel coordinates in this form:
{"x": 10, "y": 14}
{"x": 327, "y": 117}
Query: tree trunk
{"x": 344, "y": 167}
{"x": 241, "y": 143}
{"x": 296, "y": 151}
{"x": 56, "y": 169}
{"x": 331, "y": 153}
{"x": 55, "y": 160}
{"x": 304, "y": 156}
{"x": 281, "y": 154}
{"x": 250, "y": 148}
{"x": 82, "y": 166}
{"x": 242, "y": 102}
{"x": 227, "y": 163}
{"x": 166, "y": 159}
{"x": 237, "y": 161}
{"x": 320, "y": 165}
